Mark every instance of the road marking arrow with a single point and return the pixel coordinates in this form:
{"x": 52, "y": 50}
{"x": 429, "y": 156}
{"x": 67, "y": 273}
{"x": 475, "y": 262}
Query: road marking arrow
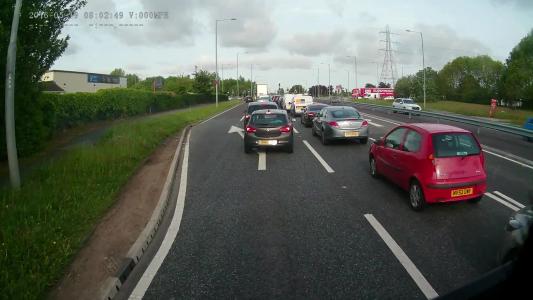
{"x": 236, "y": 129}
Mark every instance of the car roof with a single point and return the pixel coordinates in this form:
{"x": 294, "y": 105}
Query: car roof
{"x": 261, "y": 103}
{"x": 340, "y": 107}
{"x": 431, "y": 128}
{"x": 273, "y": 111}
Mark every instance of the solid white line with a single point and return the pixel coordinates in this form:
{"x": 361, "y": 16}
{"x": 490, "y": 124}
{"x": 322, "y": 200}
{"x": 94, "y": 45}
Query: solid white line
{"x": 409, "y": 266}
{"x": 261, "y": 164}
{"x": 375, "y": 124}
{"x": 219, "y": 114}
{"x": 295, "y": 130}
{"x": 511, "y": 160}
{"x": 320, "y": 159}
{"x": 502, "y": 201}
{"x": 513, "y": 201}
{"x": 170, "y": 236}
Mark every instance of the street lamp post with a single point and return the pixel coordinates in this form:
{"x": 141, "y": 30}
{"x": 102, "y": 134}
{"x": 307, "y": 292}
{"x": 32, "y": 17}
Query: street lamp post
{"x": 423, "y": 62}
{"x": 216, "y": 56}
{"x": 354, "y": 68}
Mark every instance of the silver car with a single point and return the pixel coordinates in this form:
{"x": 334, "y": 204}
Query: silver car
{"x": 340, "y": 123}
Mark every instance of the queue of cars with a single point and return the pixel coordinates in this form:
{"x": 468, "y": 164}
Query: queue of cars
{"x": 434, "y": 163}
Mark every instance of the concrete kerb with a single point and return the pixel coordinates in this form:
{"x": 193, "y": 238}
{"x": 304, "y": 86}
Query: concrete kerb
{"x": 112, "y": 285}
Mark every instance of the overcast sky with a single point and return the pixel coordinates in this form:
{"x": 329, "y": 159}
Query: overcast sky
{"x": 288, "y": 40}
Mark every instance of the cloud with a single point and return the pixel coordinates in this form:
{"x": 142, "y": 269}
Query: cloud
{"x": 314, "y": 44}
{"x": 254, "y": 27}
{"x": 441, "y": 44}
{"x": 519, "y": 4}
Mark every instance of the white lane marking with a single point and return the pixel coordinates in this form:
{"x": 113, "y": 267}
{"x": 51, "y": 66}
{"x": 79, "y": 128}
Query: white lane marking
{"x": 506, "y": 158}
{"x": 295, "y": 130}
{"x": 261, "y": 164}
{"x": 372, "y": 139}
{"x": 513, "y": 201}
{"x": 381, "y": 119}
{"x": 236, "y": 129}
{"x": 238, "y": 105}
{"x": 170, "y": 236}
{"x": 502, "y": 201}
{"x": 320, "y": 159}
{"x": 409, "y": 266}
{"x": 375, "y": 124}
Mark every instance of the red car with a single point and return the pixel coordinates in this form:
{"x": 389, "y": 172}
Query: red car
{"x": 434, "y": 162}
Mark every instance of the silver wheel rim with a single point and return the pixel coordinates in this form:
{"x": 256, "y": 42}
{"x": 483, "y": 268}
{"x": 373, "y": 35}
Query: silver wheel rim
{"x": 373, "y": 167}
{"x": 415, "y": 195}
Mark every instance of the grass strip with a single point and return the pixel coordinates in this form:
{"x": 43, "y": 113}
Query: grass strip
{"x": 45, "y": 223}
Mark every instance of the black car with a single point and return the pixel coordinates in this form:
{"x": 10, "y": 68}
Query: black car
{"x": 253, "y": 106}
{"x": 248, "y": 99}
{"x": 310, "y": 112}
{"x": 269, "y": 128}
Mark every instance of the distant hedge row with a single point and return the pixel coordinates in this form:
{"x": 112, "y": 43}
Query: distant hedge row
{"x": 55, "y": 112}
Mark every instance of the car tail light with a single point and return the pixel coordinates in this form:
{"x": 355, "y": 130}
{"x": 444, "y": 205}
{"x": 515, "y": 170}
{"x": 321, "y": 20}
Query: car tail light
{"x": 286, "y": 129}
{"x": 250, "y": 129}
{"x": 431, "y": 157}
{"x": 333, "y": 123}
{"x": 365, "y": 123}
{"x": 311, "y": 114}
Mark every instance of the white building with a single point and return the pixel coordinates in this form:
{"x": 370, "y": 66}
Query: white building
{"x": 72, "y": 82}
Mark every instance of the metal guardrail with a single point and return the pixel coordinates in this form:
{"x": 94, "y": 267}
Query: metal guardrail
{"x": 526, "y": 133}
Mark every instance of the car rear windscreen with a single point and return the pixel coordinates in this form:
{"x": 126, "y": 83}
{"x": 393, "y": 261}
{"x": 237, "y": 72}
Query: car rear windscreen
{"x": 454, "y": 144}
{"x": 269, "y": 120}
{"x": 315, "y": 108}
{"x": 253, "y": 108}
{"x": 345, "y": 113}
{"x": 408, "y": 101}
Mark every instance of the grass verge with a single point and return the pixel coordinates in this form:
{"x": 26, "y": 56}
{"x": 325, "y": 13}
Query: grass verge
{"x": 45, "y": 223}
{"x": 513, "y": 116}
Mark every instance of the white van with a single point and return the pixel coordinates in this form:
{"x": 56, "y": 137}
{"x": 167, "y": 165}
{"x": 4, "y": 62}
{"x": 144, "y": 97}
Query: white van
{"x": 287, "y": 101}
{"x": 299, "y": 103}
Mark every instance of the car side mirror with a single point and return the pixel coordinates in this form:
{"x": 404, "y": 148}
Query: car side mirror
{"x": 514, "y": 225}
{"x": 379, "y": 142}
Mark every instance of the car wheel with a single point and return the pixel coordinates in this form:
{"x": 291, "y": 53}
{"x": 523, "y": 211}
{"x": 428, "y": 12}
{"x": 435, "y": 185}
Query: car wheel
{"x": 363, "y": 141}
{"x": 373, "y": 168}
{"x": 324, "y": 140}
{"x": 416, "y": 196}
{"x": 313, "y": 132}
{"x": 475, "y": 200}
{"x": 290, "y": 147}
{"x": 247, "y": 149}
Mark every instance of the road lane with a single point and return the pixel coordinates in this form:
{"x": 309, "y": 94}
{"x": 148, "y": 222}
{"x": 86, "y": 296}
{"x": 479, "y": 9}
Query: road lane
{"x": 288, "y": 231}
{"x": 444, "y": 240}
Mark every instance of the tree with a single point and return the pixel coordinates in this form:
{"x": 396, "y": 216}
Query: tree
{"x": 384, "y": 85}
{"x": 118, "y": 72}
{"x": 516, "y": 82}
{"x": 203, "y": 82}
{"x": 132, "y": 79}
{"x": 179, "y": 84}
{"x": 315, "y": 89}
{"x": 369, "y": 86}
{"x": 296, "y": 89}
{"x": 39, "y": 44}
{"x": 470, "y": 79}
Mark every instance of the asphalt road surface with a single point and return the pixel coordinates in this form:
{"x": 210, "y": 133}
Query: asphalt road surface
{"x": 314, "y": 224}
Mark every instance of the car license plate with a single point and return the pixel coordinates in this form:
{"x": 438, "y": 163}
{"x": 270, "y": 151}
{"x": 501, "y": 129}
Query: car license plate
{"x": 268, "y": 142}
{"x": 351, "y": 133}
{"x": 462, "y": 192}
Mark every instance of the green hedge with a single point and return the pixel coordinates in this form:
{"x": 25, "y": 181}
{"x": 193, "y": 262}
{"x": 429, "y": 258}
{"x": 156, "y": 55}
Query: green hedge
{"x": 55, "y": 112}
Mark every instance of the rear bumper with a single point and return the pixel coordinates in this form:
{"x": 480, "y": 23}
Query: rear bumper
{"x": 251, "y": 140}
{"x": 442, "y": 191}
{"x": 340, "y": 134}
